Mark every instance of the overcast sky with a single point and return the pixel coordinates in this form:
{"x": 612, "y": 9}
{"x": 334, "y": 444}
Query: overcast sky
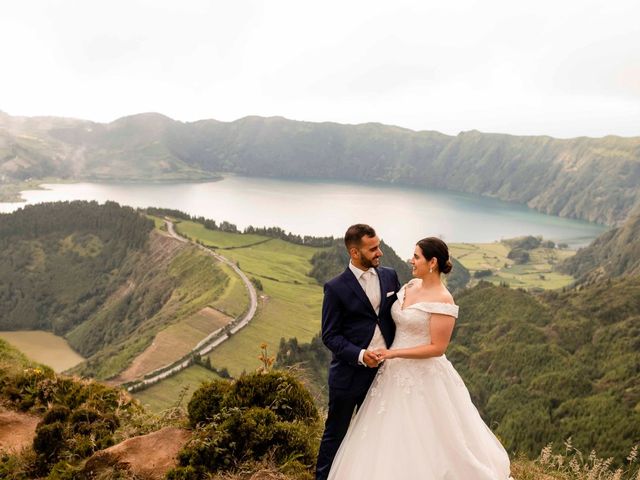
{"x": 562, "y": 68}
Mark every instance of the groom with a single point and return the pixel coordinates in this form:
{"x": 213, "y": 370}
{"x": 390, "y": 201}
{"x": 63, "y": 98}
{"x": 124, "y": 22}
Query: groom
{"x": 356, "y": 320}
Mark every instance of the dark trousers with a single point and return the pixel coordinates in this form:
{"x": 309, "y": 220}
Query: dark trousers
{"x": 342, "y": 404}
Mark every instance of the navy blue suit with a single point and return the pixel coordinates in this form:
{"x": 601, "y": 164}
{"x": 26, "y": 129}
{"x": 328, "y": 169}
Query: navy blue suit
{"x": 348, "y": 324}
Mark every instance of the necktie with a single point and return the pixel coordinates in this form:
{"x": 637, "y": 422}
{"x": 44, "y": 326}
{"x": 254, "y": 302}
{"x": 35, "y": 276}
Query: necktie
{"x": 372, "y": 289}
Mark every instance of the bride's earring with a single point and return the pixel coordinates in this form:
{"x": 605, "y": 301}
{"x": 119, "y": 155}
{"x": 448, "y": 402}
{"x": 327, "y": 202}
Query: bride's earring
{"x": 430, "y": 269}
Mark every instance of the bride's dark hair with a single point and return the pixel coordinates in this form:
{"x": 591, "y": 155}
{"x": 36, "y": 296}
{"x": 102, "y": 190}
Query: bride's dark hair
{"x": 434, "y": 247}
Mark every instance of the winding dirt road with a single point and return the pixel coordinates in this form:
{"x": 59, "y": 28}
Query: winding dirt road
{"x": 217, "y": 337}
{"x": 253, "y": 295}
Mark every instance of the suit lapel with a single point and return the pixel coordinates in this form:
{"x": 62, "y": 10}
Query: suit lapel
{"x": 353, "y": 283}
{"x": 383, "y": 293}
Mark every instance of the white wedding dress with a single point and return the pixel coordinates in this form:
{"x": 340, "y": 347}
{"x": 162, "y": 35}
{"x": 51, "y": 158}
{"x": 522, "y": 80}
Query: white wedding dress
{"x": 418, "y": 421}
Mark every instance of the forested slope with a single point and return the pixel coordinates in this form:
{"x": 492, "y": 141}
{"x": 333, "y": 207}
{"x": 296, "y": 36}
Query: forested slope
{"x": 615, "y": 253}
{"x": 545, "y": 369}
{"x": 100, "y": 276}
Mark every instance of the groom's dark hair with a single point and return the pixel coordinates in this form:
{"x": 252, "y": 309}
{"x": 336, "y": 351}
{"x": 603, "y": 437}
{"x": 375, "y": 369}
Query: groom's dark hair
{"x": 354, "y": 234}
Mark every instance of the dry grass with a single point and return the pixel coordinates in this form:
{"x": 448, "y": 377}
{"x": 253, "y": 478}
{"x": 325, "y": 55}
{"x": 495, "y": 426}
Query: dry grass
{"x": 265, "y": 470}
{"x": 175, "y": 341}
{"x": 571, "y": 464}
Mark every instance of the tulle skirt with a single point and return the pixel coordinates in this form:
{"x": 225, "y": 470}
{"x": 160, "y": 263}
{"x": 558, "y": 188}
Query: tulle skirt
{"x": 418, "y": 422}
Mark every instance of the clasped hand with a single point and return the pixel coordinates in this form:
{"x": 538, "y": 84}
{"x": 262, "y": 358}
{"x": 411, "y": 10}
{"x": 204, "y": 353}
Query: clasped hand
{"x": 376, "y": 357}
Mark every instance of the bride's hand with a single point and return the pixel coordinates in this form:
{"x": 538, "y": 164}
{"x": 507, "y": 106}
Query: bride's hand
{"x": 384, "y": 354}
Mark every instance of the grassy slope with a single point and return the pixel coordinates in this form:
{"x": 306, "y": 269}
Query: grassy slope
{"x": 289, "y": 305}
{"x": 11, "y": 360}
{"x": 174, "y": 342}
{"x": 537, "y": 273}
{"x": 216, "y": 239}
{"x": 199, "y": 282}
{"x": 235, "y": 299}
{"x": 168, "y": 393}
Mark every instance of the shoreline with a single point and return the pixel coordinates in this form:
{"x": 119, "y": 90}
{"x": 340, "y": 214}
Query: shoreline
{"x": 12, "y": 192}
{"x": 576, "y": 233}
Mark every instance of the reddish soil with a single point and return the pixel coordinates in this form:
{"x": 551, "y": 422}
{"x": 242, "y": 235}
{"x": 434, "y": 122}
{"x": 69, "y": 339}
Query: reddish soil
{"x": 147, "y": 457}
{"x": 16, "y": 430}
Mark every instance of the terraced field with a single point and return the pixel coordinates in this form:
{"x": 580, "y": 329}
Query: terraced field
{"x": 537, "y": 273}
{"x": 175, "y": 341}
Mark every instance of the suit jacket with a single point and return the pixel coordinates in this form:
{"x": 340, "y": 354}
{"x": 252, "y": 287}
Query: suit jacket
{"x": 349, "y": 321}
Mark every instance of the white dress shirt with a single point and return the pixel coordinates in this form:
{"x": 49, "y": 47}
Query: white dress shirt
{"x": 370, "y": 283}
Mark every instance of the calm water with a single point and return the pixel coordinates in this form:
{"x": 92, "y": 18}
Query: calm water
{"x": 401, "y": 215}
{"x": 44, "y": 347}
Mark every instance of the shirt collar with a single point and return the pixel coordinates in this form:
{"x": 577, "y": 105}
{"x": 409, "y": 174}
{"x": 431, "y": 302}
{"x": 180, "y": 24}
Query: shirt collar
{"x": 358, "y": 273}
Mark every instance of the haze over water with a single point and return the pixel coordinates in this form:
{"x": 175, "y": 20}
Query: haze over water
{"x": 400, "y": 214}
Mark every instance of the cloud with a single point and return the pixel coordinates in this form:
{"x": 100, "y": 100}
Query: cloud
{"x": 568, "y": 68}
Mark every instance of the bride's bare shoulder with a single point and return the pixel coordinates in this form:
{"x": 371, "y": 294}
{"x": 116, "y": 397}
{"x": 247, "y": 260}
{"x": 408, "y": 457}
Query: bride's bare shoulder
{"x": 413, "y": 282}
{"x": 445, "y": 296}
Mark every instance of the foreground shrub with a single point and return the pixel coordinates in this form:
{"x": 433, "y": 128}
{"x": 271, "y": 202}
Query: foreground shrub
{"x": 79, "y": 417}
{"x": 263, "y": 417}
{"x": 276, "y": 390}
{"x": 48, "y": 443}
{"x": 207, "y": 401}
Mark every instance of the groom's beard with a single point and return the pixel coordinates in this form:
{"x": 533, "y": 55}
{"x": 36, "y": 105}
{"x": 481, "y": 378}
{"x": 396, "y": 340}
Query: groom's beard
{"x": 367, "y": 263}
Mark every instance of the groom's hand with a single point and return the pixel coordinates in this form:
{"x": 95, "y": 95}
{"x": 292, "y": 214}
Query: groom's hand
{"x": 370, "y": 359}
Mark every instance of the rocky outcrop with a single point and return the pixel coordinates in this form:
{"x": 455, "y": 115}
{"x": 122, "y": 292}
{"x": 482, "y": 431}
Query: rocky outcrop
{"x": 147, "y": 457}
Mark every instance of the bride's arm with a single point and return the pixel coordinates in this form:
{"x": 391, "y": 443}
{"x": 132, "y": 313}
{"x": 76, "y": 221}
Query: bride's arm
{"x": 441, "y": 329}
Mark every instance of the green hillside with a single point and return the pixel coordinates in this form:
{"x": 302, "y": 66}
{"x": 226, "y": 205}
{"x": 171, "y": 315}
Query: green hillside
{"x": 101, "y": 277}
{"x": 555, "y": 176}
{"x": 613, "y": 254}
{"x": 289, "y": 298}
{"x": 11, "y": 360}
{"x": 558, "y": 366}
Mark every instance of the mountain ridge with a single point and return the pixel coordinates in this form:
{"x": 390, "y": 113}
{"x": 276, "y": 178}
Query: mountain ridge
{"x": 595, "y": 179}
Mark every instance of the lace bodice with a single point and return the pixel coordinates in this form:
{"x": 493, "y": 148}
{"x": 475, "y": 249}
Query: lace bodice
{"x": 412, "y": 322}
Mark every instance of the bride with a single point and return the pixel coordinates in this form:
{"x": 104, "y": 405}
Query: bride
{"x": 418, "y": 421}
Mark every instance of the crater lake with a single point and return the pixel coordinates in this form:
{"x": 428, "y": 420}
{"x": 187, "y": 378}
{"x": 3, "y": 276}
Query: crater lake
{"x": 400, "y": 214}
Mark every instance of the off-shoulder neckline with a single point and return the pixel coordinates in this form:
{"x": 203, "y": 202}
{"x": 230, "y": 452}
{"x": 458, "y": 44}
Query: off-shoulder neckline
{"x": 403, "y": 307}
